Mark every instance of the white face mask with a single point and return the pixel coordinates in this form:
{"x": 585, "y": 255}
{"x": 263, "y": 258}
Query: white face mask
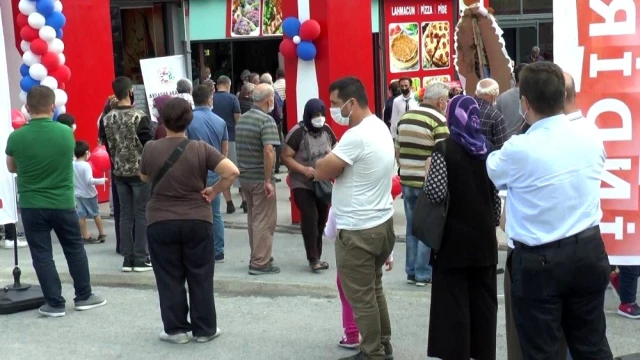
{"x": 271, "y": 107}
{"x": 73, "y": 127}
{"x": 336, "y": 115}
{"x": 318, "y": 122}
{"x": 88, "y": 156}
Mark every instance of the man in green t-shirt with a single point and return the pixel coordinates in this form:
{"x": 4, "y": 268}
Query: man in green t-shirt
{"x": 41, "y": 153}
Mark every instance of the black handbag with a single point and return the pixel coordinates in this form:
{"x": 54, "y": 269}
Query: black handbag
{"x": 322, "y": 189}
{"x": 429, "y": 218}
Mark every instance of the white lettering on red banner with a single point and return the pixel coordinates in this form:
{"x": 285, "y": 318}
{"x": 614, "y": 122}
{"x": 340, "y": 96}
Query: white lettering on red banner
{"x": 423, "y": 9}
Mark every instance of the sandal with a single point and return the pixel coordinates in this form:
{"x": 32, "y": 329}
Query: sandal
{"x": 319, "y": 265}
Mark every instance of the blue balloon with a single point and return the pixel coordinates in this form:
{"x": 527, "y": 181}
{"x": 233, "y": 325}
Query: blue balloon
{"x": 291, "y": 27}
{"x": 59, "y": 33}
{"x": 56, "y": 20}
{"x": 45, "y": 7}
{"x": 27, "y": 82}
{"x": 56, "y": 113}
{"x": 24, "y": 70}
{"x": 306, "y": 50}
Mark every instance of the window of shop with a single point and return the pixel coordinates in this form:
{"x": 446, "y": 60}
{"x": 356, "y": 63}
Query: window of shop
{"x": 506, "y": 7}
{"x": 537, "y": 6}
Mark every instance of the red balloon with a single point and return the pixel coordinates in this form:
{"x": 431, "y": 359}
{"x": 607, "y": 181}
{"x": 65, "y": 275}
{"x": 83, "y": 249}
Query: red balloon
{"x": 27, "y": 33}
{"x": 396, "y": 187}
{"x": 17, "y": 119}
{"x": 39, "y": 47}
{"x": 309, "y": 30}
{"x": 62, "y": 73}
{"x": 288, "y": 48}
{"x": 51, "y": 61}
{"x": 21, "y": 21}
{"x": 99, "y": 159}
{"x": 61, "y": 86}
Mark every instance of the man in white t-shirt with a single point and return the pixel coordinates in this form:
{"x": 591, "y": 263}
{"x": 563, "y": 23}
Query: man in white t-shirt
{"x": 362, "y": 164}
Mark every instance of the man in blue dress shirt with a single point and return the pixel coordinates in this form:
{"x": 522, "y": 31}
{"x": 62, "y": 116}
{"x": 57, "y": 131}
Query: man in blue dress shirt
{"x": 559, "y": 267}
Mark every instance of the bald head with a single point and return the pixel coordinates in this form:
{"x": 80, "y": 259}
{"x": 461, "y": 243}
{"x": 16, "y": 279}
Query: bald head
{"x": 263, "y": 96}
{"x": 488, "y": 89}
{"x": 570, "y": 89}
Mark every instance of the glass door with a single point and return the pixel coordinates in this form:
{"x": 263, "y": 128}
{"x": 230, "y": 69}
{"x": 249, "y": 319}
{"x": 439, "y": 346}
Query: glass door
{"x": 519, "y": 37}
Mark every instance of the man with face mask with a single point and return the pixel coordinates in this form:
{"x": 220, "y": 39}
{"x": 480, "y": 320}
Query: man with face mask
{"x": 418, "y": 132}
{"x": 402, "y": 104}
{"x": 492, "y": 122}
{"x": 559, "y": 267}
{"x": 362, "y": 163}
{"x": 256, "y": 136}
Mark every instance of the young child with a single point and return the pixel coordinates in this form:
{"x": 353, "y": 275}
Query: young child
{"x": 67, "y": 119}
{"x": 86, "y": 193}
{"x": 351, "y": 337}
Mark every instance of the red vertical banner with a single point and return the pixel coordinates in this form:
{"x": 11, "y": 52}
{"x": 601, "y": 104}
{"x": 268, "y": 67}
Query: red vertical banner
{"x": 598, "y": 43}
{"x": 419, "y": 40}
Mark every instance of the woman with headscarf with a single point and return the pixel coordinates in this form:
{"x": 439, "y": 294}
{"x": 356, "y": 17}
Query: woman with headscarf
{"x": 464, "y": 304}
{"x": 307, "y": 142}
{"x": 158, "y": 104}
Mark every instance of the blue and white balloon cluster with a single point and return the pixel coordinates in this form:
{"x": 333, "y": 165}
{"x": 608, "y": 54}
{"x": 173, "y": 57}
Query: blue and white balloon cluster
{"x": 41, "y": 23}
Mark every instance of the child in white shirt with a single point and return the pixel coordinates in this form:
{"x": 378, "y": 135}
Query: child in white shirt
{"x": 86, "y": 194}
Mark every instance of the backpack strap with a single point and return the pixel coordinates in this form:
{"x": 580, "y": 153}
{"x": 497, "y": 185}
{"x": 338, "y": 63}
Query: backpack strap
{"x": 168, "y": 164}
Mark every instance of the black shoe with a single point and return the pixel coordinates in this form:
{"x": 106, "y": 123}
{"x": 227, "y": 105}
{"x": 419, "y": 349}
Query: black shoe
{"x": 219, "y": 258}
{"x": 278, "y": 180}
{"x": 264, "y": 271}
{"x": 230, "y": 207}
{"x": 127, "y": 265}
{"x": 244, "y": 207}
{"x": 142, "y": 266}
{"x": 388, "y": 351}
{"x": 411, "y": 279}
{"x": 500, "y": 271}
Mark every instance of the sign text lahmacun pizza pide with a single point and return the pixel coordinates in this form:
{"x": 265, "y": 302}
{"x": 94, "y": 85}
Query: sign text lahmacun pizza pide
{"x": 423, "y": 9}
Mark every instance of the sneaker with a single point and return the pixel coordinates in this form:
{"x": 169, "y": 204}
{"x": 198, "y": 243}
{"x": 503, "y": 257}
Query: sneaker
{"x": 264, "y": 271}
{"x": 388, "y": 351}
{"x": 423, "y": 283}
{"x": 92, "y": 302}
{"x": 230, "y": 207}
{"x": 142, "y": 266}
{"x": 615, "y": 282}
{"x": 632, "y": 311}
{"x": 102, "y": 238}
{"x": 127, "y": 265}
{"x": 349, "y": 343}
{"x": 219, "y": 259}
{"x": 244, "y": 207}
{"x": 91, "y": 240}
{"x": 50, "y": 311}
{"x": 10, "y": 245}
{"x": 179, "y": 338}
{"x": 411, "y": 279}
{"x": 21, "y": 236}
{"x": 204, "y": 339}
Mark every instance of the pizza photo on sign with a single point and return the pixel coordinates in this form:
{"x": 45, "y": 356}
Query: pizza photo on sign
{"x": 403, "y": 47}
{"x": 429, "y": 79}
{"x": 436, "y": 45}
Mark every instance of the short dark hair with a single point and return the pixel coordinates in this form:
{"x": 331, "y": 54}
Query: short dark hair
{"x": 394, "y": 88}
{"x": 122, "y": 85}
{"x": 350, "y": 88}
{"x": 210, "y": 84}
{"x": 40, "y": 99}
{"x": 254, "y": 76}
{"x": 223, "y": 80}
{"x": 279, "y": 73}
{"x": 177, "y": 115}
{"x": 67, "y": 119}
{"x": 570, "y": 88}
{"x": 81, "y": 148}
{"x": 201, "y": 95}
{"x": 542, "y": 83}
{"x": 517, "y": 70}
{"x": 405, "y": 79}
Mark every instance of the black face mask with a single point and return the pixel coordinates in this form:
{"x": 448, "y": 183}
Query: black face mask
{"x": 406, "y": 92}
{"x": 131, "y": 97}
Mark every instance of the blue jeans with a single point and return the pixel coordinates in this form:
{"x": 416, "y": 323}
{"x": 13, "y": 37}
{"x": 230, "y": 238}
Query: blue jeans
{"x": 218, "y": 225}
{"x": 628, "y": 283}
{"x": 418, "y": 254}
{"x": 38, "y": 224}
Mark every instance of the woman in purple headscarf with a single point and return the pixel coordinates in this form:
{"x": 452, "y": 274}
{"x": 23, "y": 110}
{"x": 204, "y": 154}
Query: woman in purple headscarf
{"x": 464, "y": 301}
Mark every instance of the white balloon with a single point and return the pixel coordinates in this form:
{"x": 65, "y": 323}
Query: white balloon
{"x": 57, "y": 6}
{"x": 50, "y": 82}
{"x": 63, "y": 110}
{"x": 25, "y": 112}
{"x": 25, "y": 46}
{"x": 27, "y": 7}
{"x": 62, "y": 58}
{"x": 47, "y": 33}
{"x": 30, "y": 58}
{"x": 38, "y": 72}
{"x": 61, "y": 97}
{"x": 23, "y": 96}
{"x": 36, "y": 20}
{"x": 56, "y": 46}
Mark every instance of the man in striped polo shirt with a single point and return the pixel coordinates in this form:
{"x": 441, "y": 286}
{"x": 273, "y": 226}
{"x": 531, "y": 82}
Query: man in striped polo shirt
{"x": 256, "y": 136}
{"x": 418, "y": 131}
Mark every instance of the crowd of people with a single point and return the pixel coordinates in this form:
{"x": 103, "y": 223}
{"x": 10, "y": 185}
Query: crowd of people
{"x": 169, "y": 177}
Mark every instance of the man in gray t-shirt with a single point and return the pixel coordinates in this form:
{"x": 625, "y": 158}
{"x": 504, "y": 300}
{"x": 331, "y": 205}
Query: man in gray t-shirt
{"x": 508, "y": 104}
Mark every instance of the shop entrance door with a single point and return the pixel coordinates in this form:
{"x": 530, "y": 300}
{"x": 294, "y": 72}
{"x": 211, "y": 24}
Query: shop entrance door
{"x": 519, "y": 38}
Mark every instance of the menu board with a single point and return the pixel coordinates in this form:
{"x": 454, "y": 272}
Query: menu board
{"x": 420, "y": 40}
{"x": 251, "y": 18}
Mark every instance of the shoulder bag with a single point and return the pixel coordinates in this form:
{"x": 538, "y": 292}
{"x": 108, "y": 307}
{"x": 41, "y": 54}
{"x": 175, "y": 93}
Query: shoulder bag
{"x": 429, "y": 218}
{"x": 322, "y": 189}
{"x": 168, "y": 164}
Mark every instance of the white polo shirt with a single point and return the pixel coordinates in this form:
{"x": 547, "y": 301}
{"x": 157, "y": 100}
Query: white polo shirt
{"x": 361, "y": 196}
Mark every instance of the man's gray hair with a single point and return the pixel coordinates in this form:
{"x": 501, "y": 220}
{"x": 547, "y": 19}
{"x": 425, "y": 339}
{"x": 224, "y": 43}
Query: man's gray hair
{"x": 247, "y": 90}
{"x": 535, "y": 49}
{"x": 184, "y": 86}
{"x": 262, "y": 93}
{"x": 224, "y": 80}
{"x": 266, "y": 79}
{"x": 436, "y": 90}
{"x": 487, "y": 87}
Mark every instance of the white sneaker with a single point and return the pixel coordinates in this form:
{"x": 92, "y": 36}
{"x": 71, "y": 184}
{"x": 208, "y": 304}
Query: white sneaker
{"x": 181, "y": 338}
{"x": 204, "y": 339}
{"x": 9, "y": 244}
